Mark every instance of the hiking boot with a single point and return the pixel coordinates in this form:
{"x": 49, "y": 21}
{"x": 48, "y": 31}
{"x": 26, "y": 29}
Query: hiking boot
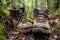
{"x": 40, "y": 21}
{"x": 21, "y": 24}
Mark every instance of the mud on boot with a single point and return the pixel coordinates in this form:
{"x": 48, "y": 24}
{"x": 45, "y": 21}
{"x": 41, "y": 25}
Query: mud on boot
{"x": 40, "y": 21}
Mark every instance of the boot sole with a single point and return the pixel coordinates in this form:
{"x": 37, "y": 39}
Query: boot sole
{"x": 25, "y": 31}
{"x": 41, "y": 30}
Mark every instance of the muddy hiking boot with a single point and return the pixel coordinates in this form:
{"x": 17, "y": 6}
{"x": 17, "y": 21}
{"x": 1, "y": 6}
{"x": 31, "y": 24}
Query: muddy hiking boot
{"x": 21, "y": 24}
{"x": 40, "y": 21}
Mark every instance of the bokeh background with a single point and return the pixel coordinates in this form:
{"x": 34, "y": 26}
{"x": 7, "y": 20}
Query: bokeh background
{"x": 5, "y": 5}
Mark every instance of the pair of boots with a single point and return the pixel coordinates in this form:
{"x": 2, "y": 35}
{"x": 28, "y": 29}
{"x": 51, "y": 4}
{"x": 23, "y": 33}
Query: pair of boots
{"x": 40, "y": 22}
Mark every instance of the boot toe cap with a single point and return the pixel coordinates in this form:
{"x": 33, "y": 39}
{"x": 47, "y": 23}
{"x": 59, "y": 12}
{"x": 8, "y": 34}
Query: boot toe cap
{"x": 41, "y": 28}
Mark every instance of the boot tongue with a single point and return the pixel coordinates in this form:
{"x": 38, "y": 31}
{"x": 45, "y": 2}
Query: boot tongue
{"x": 24, "y": 20}
{"x": 41, "y": 18}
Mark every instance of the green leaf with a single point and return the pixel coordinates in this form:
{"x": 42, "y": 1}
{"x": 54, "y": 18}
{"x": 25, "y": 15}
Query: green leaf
{"x": 4, "y": 12}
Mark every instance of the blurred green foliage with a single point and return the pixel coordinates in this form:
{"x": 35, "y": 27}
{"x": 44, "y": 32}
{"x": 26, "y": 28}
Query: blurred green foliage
{"x": 4, "y": 12}
{"x": 2, "y": 28}
{"x": 58, "y": 27}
